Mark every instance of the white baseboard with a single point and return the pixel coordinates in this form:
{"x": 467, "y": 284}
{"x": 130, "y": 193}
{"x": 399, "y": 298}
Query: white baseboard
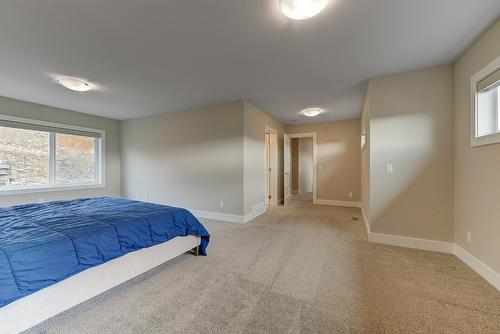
{"x": 367, "y": 223}
{"x": 337, "y": 203}
{"x": 408, "y": 242}
{"x": 478, "y": 266}
{"x": 225, "y": 217}
{"x": 257, "y": 210}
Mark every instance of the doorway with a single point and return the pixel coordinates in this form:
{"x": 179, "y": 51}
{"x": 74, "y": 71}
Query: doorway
{"x": 271, "y": 167}
{"x": 300, "y": 166}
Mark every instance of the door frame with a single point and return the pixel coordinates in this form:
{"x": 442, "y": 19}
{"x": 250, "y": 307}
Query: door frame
{"x": 274, "y": 199}
{"x": 312, "y": 135}
{"x": 287, "y": 169}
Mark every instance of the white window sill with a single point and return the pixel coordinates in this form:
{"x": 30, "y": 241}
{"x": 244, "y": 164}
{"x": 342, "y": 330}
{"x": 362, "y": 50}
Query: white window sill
{"x": 47, "y": 188}
{"x": 485, "y": 140}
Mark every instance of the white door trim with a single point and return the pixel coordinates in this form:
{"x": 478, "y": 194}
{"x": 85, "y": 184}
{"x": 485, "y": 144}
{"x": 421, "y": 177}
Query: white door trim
{"x": 274, "y": 199}
{"x": 312, "y": 135}
{"x": 287, "y": 169}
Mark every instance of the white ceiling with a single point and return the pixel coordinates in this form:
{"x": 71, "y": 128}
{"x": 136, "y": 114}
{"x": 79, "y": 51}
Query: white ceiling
{"x": 154, "y": 56}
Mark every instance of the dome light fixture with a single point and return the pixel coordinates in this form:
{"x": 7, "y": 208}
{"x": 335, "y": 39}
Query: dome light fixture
{"x": 311, "y": 112}
{"x": 302, "y": 9}
{"x": 74, "y": 84}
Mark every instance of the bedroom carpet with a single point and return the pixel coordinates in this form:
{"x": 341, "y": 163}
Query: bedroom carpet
{"x": 299, "y": 269}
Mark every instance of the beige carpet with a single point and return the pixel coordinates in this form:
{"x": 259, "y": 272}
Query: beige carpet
{"x": 299, "y": 269}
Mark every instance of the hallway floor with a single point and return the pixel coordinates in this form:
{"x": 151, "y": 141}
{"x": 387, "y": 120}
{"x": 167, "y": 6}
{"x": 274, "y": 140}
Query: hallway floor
{"x": 297, "y": 269}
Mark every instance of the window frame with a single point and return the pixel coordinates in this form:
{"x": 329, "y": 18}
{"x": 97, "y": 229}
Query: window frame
{"x": 364, "y": 132}
{"x": 100, "y": 157}
{"x": 364, "y": 137}
{"x": 475, "y": 79}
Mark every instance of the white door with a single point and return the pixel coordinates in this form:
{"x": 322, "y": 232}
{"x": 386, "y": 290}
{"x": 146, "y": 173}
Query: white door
{"x": 287, "y": 154}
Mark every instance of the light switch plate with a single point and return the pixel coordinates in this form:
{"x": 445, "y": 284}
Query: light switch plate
{"x": 389, "y": 169}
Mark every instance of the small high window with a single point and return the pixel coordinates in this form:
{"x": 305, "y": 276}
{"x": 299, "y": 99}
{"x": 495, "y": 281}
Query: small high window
{"x": 485, "y": 87}
{"x": 40, "y": 156}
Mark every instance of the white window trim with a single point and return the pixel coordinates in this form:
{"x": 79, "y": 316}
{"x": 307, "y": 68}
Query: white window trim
{"x": 100, "y": 152}
{"x": 483, "y": 73}
{"x": 363, "y": 145}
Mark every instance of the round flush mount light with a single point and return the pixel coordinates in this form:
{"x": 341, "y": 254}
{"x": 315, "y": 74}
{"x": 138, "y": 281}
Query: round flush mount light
{"x": 302, "y": 9}
{"x": 311, "y": 112}
{"x": 74, "y": 84}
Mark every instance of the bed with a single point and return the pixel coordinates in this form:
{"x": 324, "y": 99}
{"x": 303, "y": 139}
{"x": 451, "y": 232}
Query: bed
{"x": 58, "y": 254}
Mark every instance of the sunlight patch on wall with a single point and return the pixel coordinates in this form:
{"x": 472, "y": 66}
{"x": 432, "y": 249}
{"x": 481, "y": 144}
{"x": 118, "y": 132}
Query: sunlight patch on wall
{"x": 406, "y": 142}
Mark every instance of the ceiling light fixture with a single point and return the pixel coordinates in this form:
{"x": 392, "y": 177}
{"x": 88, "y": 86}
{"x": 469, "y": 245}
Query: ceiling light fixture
{"x": 311, "y": 112}
{"x": 74, "y": 84}
{"x": 302, "y": 9}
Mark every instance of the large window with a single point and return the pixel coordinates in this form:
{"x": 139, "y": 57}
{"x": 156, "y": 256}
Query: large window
{"x": 485, "y": 87}
{"x": 38, "y": 155}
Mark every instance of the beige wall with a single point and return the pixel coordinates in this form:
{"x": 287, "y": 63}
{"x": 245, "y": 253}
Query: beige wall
{"x": 411, "y": 127}
{"x": 338, "y": 155}
{"x": 255, "y": 121}
{"x": 39, "y": 112}
{"x": 192, "y": 159}
{"x": 365, "y": 157}
{"x": 477, "y": 170}
{"x": 199, "y": 158}
{"x": 306, "y": 166}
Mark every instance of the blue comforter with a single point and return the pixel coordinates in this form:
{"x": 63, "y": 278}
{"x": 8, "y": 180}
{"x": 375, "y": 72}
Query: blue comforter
{"x": 42, "y": 244}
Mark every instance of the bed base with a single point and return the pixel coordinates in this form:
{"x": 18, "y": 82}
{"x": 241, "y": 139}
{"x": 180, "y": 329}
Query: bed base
{"x": 46, "y": 303}
{"x": 196, "y": 250}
